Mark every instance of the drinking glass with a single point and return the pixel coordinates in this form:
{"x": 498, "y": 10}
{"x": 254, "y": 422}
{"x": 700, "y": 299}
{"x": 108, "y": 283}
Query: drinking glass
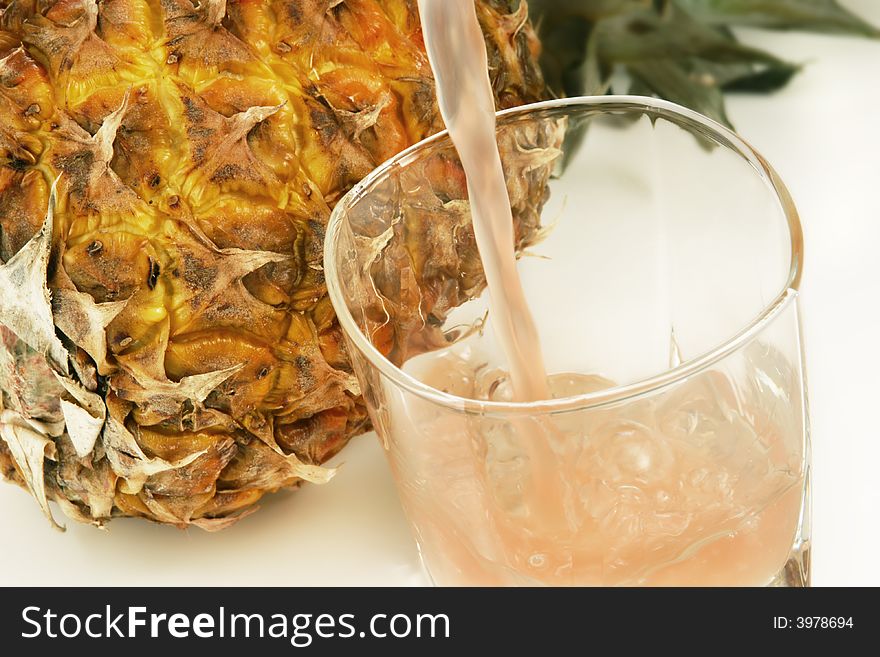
{"x": 661, "y": 257}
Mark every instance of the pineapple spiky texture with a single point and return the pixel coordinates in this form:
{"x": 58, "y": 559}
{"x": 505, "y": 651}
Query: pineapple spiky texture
{"x": 167, "y": 168}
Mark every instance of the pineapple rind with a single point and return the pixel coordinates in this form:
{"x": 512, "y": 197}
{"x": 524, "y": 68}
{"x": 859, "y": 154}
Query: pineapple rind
{"x": 167, "y": 348}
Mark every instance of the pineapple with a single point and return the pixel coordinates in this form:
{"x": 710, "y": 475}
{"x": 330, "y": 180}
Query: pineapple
{"x": 167, "y": 168}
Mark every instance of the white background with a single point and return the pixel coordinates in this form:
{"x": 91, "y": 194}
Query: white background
{"x": 822, "y": 134}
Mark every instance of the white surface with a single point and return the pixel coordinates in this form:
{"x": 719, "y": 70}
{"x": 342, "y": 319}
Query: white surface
{"x": 823, "y": 136}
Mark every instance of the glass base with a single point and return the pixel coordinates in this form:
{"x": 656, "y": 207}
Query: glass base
{"x": 796, "y": 572}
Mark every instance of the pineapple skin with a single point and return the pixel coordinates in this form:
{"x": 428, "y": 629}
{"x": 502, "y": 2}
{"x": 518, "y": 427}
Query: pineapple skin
{"x": 167, "y": 347}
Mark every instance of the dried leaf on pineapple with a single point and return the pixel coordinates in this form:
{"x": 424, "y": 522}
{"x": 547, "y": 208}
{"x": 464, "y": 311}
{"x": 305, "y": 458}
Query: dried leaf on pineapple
{"x": 129, "y": 461}
{"x": 30, "y": 447}
{"x": 160, "y": 400}
{"x": 219, "y": 524}
{"x": 84, "y": 417}
{"x": 25, "y": 302}
{"x": 82, "y": 427}
{"x": 83, "y": 321}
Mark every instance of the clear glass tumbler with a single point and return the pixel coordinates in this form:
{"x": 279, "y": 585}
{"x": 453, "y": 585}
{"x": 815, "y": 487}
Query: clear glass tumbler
{"x": 661, "y": 257}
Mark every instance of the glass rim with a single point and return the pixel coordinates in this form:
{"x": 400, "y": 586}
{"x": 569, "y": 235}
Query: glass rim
{"x": 719, "y": 133}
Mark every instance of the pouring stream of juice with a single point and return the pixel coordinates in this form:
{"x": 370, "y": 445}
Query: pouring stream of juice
{"x": 457, "y": 52}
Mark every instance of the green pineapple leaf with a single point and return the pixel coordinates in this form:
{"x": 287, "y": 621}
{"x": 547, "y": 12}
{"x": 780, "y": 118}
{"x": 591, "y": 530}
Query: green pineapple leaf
{"x": 754, "y": 77}
{"x": 812, "y": 15}
{"x": 681, "y": 50}
{"x": 669, "y": 79}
